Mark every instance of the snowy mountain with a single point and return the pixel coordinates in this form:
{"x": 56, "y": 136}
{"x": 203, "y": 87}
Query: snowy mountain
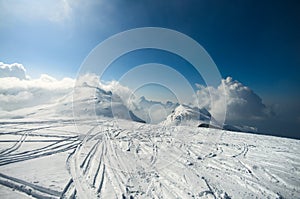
{"x": 44, "y": 155}
{"x": 89, "y": 100}
{"x": 184, "y": 115}
{"x": 152, "y": 111}
{"x": 86, "y": 101}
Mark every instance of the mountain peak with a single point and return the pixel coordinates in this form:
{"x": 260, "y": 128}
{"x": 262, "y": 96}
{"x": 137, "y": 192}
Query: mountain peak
{"x": 186, "y": 115}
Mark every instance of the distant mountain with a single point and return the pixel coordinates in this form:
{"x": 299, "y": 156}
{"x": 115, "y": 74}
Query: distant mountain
{"x": 86, "y": 101}
{"x": 193, "y": 116}
{"x": 145, "y": 109}
{"x": 94, "y": 100}
{"x": 186, "y": 115}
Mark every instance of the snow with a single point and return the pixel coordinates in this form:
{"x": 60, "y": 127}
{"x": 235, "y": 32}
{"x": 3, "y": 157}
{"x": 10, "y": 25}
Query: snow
{"x": 119, "y": 158}
{"x": 47, "y": 152}
{"x": 85, "y": 101}
{"x": 185, "y": 115}
{"x": 151, "y": 111}
{"x": 193, "y": 116}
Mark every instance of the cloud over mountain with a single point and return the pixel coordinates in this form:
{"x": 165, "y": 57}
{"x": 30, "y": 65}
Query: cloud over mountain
{"x": 17, "y": 91}
{"x": 242, "y": 103}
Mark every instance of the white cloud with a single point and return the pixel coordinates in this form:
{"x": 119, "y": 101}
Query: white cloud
{"x": 115, "y": 87}
{"x": 12, "y": 70}
{"x": 19, "y": 91}
{"x": 242, "y": 103}
{"x": 122, "y": 91}
{"x": 149, "y": 111}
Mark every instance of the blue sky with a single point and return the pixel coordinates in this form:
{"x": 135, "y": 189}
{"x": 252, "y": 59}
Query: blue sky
{"x": 255, "y": 42}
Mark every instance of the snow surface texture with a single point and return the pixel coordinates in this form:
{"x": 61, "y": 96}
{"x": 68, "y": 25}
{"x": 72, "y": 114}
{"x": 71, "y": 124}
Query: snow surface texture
{"x": 51, "y": 159}
{"x": 43, "y": 154}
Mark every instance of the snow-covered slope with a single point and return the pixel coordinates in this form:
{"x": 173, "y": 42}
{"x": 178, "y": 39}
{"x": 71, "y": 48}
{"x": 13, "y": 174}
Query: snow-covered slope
{"x": 51, "y": 159}
{"x": 90, "y": 100}
{"x": 85, "y": 100}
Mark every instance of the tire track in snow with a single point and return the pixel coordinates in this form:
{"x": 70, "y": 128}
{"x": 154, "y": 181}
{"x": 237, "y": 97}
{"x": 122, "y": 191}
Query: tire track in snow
{"x": 85, "y": 165}
{"x": 113, "y": 170}
{"x": 243, "y": 152}
{"x": 22, "y": 185}
{"x": 45, "y": 151}
{"x": 15, "y": 146}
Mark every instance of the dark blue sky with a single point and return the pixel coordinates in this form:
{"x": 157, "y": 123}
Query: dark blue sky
{"x": 255, "y": 42}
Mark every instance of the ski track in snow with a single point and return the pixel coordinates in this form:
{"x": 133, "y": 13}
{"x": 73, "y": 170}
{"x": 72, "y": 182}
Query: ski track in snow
{"x": 134, "y": 160}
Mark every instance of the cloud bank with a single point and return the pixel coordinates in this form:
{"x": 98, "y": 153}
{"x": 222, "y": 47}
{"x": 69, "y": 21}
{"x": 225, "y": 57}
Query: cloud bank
{"x": 242, "y": 103}
{"x": 244, "y": 106}
{"x": 17, "y": 90}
